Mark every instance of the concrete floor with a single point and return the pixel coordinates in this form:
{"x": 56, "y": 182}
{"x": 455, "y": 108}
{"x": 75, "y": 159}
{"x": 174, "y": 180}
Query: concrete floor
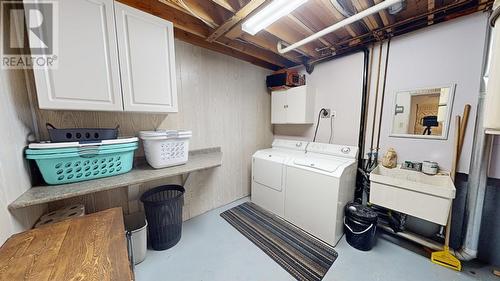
{"x": 211, "y": 249}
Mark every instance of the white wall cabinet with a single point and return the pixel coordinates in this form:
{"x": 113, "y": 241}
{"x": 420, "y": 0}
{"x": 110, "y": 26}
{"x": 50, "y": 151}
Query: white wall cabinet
{"x": 147, "y": 60}
{"x": 112, "y": 57}
{"x": 293, "y": 106}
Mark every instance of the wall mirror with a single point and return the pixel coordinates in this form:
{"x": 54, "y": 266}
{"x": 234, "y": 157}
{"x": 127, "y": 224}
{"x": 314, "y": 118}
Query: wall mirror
{"x": 423, "y": 113}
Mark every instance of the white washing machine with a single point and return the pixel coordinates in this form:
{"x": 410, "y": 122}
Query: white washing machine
{"x": 309, "y": 187}
{"x": 268, "y": 174}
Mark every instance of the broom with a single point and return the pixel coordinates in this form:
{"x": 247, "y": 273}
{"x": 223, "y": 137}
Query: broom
{"x": 445, "y": 257}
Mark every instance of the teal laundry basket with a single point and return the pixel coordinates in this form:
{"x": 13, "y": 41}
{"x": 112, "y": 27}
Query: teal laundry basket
{"x": 76, "y": 162}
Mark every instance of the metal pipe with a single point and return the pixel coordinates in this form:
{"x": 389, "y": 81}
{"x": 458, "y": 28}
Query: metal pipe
{"x": 410, "y": 20}
{"x": 364, "y": 99}
{"x": 382, "y": 99}
{"x": 372, "y": 10}
{"x": 481, "y": 151}
{"x": 376, "y": 100}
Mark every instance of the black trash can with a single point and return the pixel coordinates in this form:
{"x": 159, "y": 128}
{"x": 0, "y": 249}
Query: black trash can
{"x": 360, "y": 223}
{"x": 163, "y": 208}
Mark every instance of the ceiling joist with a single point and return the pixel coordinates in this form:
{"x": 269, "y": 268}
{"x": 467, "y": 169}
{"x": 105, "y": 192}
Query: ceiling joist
{"x": 225, "y": 5}
{"x": 190, "y": 24}
{"x": 217, "y": 25}
{"x": 235, "y": 19}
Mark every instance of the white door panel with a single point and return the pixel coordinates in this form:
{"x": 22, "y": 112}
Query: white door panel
{"x": 147, "y": 61}
{"x": 87, "y": 76}
{"x": 311, "y": 203}
{"x": 270, "y": 199}
{"x": 269, "y": 171}
{"x": 296, "y": 105}
{"x": 278, "y": 110}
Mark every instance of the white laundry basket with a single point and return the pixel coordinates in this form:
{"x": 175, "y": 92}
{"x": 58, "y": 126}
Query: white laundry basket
{"x": 166, "y": 148}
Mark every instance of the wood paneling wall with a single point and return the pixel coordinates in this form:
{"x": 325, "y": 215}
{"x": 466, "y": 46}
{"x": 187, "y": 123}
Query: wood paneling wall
{"x": 222, "y": 99}
{"x": 15, "y": 126}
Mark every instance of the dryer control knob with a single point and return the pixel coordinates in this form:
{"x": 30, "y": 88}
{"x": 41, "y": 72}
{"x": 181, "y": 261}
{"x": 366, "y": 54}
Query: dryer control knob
{"x": 346, "y": 150}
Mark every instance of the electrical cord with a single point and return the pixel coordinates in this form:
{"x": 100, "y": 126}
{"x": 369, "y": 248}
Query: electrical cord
{"x": 317, "y": 123}
{"x": 331, "y": 128}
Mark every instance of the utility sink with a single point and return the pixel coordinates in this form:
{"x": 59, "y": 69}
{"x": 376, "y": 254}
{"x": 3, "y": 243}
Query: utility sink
{"x": 413, "y": 193}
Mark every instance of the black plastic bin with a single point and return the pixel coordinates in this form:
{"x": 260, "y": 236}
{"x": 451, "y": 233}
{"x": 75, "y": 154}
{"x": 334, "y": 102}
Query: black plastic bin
{"x": 360, "y": 223}
{"x": 163, "y": 208}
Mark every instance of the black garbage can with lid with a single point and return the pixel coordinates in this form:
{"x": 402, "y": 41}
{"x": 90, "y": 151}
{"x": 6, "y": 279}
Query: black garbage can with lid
{"x": 163, "y": 208}
{"x": 360, "y": 223}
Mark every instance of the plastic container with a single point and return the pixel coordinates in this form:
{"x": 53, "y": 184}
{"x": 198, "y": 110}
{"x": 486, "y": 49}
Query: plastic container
{"x": 81, "y": 134}
{"x": 64, "y": 213}
{"x": 136, "y": 224}
{"x": 166, "y": 148}
{"x": 360, "y": 224}
{"x": 61, "y": 163}
{"x": 163, "y": 207}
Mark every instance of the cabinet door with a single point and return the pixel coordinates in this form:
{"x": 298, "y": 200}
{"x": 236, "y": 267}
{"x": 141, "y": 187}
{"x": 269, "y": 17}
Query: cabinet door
{"x": 87, "y": 76}
{"x": 278, "y": 107}
{"x": 297, "y": 105}
{"x": 147, "y": 61}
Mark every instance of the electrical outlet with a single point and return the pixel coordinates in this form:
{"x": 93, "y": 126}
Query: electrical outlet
{"x": 326, "y": 114}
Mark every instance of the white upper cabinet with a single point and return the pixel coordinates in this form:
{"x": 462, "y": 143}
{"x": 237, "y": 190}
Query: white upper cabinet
{"x": 293, "y": 106}
{"x": 87, "y": 76}
{"x": 278, "y": 112}
{"x": 111, "y": 58}
{"x": 147, "y": 61}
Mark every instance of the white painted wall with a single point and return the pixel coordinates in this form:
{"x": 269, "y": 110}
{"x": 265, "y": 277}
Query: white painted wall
{"x": 338, "y": 87}
{"x": 15, "y": 125}
{"x": 447, "y": 53}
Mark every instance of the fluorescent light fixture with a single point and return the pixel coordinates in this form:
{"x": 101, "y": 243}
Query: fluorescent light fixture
{"x": 269, "y": 14}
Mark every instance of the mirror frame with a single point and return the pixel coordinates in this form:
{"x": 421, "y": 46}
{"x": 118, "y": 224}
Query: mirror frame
{"x": 446, "y": 127}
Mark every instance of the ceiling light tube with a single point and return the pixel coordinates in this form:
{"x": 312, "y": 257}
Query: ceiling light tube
{"x": 269, "y": 14}
{"x": 372, "y": 10}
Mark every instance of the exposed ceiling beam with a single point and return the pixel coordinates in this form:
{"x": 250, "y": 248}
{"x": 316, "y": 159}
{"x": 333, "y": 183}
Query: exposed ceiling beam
{"x": 201, "y": 42}
{"x": 224, "y": 4}
{"x": 352, "y": 29}
{"x": 290, "y": 32}
{"x": 309, "y": 31}
{"x": 185, "y": 22}
{"x": 268, "y": 41}
{"x": 193, "y": 8}
{"x": 384, "y": 15}
{"x": 235, "y": 19}
{"x": 370, "y": 21}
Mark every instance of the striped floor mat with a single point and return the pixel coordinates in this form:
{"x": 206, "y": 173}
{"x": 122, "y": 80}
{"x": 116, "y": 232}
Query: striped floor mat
{"x": 303, "y": 256}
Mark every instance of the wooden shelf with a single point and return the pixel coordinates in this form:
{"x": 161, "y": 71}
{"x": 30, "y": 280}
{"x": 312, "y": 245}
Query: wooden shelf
{"x": 198, "y": 160}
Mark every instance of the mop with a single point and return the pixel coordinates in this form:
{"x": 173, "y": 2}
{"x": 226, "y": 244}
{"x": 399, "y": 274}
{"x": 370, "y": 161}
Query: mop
{"x": 445, "y": 257}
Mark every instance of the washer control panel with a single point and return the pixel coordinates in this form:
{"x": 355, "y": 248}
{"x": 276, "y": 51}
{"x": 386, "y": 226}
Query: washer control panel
{"x": 333, "y": 149}
{"x": 290, "y": 144}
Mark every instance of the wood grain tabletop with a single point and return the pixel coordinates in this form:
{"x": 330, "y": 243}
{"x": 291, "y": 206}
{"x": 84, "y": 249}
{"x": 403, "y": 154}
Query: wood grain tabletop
{"x": 92, "y": 247}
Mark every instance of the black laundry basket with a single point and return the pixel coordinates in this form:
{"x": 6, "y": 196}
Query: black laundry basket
{"x": 360, "y": 223}
{"x": 163, "y": 208}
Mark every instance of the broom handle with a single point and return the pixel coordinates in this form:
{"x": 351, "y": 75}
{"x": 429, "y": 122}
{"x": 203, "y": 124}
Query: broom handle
{"x": 463, "y": 126}
{"x": 456, "y": 152}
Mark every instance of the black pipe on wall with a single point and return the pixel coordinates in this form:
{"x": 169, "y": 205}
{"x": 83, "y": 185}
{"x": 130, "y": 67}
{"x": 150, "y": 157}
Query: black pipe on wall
{"x": 364, "y": 99}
